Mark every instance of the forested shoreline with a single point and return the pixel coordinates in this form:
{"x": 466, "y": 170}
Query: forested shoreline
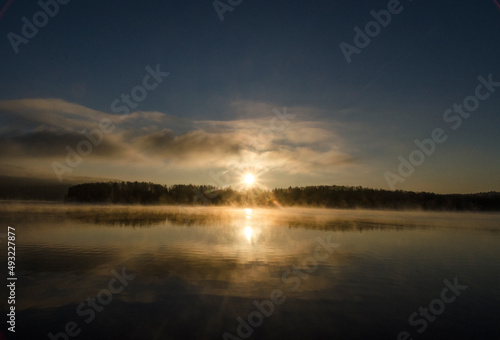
{"x": 312, "y": 196}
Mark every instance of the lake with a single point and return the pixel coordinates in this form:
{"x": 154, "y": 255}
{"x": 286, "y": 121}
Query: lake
{"x": 134, "y": 272}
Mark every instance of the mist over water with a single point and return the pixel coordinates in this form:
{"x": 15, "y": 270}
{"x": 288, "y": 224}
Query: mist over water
{"x": 197, "y": 269}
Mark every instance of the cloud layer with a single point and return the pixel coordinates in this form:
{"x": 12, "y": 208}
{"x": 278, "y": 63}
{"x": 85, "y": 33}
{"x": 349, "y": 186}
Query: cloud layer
{"x": 40, "y": 131}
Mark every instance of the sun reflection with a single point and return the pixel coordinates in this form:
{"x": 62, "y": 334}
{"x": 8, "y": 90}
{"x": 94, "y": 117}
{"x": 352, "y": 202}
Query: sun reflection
{"x": 248, "y": 230}
{"x": 248, "y": 233}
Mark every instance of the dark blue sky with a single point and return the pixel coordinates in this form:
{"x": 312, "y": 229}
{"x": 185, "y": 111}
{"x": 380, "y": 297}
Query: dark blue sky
{"x": 276, "y": 54}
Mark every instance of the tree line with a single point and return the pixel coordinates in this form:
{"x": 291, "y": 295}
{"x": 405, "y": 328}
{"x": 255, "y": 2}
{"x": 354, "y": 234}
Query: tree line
{"x": 313, "y": 196}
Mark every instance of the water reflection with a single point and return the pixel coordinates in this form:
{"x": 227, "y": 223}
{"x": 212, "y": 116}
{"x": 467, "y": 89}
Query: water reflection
{"x": 248, "y": 234}
{"x": 248, "y": 229}
{"x": 298, "y": 218}
{"x": 198, "y": 269}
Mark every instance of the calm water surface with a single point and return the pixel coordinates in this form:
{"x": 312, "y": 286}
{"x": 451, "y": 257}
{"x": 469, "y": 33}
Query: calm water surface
{"x": 215, "y": 273}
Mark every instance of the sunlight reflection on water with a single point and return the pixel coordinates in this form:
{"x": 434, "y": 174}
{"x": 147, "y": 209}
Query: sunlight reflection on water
{"x": 207, "y": 265}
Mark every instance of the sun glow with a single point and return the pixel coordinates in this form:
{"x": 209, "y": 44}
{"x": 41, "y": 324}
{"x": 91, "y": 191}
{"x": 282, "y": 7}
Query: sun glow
{"x": 249, "y": 179}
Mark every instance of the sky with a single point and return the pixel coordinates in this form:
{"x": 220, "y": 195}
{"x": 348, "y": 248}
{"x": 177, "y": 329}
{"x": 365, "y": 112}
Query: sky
{"x": 396, "y": 95}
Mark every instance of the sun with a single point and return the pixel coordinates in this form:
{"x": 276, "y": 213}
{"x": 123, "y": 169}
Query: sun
{"x": 249, "y": 179}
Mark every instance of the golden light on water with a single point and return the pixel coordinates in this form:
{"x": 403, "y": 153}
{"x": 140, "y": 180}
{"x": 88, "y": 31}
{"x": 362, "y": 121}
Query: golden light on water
{"x": 248, "y": 230}
{"x": 248, "y": 233}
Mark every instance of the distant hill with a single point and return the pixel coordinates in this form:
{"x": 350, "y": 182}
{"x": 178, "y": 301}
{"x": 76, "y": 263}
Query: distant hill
{"x": 17, "y": 188}
{"x": 39, "y": 189}
{"x": 313, "y": 196}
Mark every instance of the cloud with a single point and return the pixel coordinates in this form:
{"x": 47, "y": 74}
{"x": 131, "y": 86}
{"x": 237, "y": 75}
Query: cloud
{"x": 30, "y": 113}
{"x": 41, "y": 130}
{"x": 189, "y": 146}
{"x": 45, "y": 143}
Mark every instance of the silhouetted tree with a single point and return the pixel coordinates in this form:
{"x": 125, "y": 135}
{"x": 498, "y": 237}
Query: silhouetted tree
{"x": 317, "y": 196}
